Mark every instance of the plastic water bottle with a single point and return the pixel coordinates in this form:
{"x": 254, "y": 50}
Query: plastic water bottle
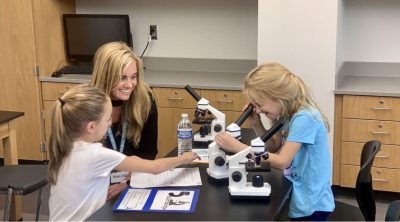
{"x": 184, "y": 135}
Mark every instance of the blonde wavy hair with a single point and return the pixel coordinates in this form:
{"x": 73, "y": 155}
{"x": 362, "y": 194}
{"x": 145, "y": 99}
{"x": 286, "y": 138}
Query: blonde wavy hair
{"x": 110, "y": 61}
{"x": 71, "y": 111}
{"x": 274, "y": 81}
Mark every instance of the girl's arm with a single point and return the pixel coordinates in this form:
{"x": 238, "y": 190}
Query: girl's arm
{"x": 138, "y": 164}
{"x": 284, "y": 158}
{"x": 275, "y": 143}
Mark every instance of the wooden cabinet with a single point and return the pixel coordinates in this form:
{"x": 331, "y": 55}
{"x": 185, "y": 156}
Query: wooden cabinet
{"x": 367, "y": 118}
{"x": 50, "y": 92}
{"x": 229, "y": 102}
{"x": 172, "y": 102}
{"x": 32, "y": 45}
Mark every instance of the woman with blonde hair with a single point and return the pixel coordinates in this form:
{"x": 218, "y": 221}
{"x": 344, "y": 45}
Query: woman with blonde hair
{"x": 119, "y": 73}
{"x": 301, "y": 149}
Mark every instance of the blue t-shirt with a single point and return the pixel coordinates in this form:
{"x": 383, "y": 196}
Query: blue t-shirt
{"x": 310, "y": 171}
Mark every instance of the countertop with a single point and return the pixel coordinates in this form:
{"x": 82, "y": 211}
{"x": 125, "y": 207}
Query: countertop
{"x": 6, "y": 116}
{"x": 369, "y": 79}
{"x": 178, "y": 72}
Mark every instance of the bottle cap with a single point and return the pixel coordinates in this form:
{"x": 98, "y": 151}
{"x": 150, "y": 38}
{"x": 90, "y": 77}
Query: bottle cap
{"x": 184, "y": 115}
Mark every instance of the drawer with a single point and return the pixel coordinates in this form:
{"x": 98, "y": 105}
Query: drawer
{"x": 172, "y": 97}
{"x": 356, "y": 130}
{"x": 51, "y": 91}
{"x": 382, "y": 178}
{"x": 225, "y": 99}
{"x": 388, "y": 156}
{"x": 369, "y": 107}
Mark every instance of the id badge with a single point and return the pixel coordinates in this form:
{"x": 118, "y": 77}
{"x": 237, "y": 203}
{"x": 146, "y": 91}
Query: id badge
{"x": 118, "y": 177}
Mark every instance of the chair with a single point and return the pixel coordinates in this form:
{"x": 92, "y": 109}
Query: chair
{"x": 366, "y": 209}
{"x": 22, "y": 180}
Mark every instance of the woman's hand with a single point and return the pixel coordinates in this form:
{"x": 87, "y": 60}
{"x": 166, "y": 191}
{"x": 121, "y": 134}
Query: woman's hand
{"x": 228, "y": 143}
{"x": 115, "y": 189}
{"x": 189, "y": 157}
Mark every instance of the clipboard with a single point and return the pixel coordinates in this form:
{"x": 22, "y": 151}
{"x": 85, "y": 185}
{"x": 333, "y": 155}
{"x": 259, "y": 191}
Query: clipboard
{"x": 179, "y": 200}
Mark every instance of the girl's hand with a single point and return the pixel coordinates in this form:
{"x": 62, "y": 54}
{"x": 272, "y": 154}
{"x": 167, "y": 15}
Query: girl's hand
{"x": 188, "y": 157}
{"x": 254, "y": 119}
{"x": 115, "y": 189}
{"x": 228, "y": 143}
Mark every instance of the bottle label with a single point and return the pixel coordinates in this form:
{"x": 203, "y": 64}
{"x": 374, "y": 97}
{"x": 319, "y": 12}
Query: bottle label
{"x": 185, "y": 134}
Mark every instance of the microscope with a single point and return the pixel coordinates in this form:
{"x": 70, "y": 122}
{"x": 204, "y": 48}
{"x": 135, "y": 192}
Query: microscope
{"x": 239, "y": 187}
{"x": 217, "y": 164}
{"x": 217, "y": 124}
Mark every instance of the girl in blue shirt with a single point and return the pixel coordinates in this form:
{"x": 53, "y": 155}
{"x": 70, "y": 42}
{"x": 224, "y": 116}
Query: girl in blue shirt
{"x": 301, "y": 150}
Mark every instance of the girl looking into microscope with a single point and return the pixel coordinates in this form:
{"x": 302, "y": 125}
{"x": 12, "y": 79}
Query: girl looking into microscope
{"x": 302, "y": 152}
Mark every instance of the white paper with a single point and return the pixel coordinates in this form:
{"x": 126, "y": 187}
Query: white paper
{"x": 165, "y": 201}
{"x": 134, "y": 199}
{"x": 118, "y": 177}
{"x": 203, "y": 154}
{"x": 169, "y": 178}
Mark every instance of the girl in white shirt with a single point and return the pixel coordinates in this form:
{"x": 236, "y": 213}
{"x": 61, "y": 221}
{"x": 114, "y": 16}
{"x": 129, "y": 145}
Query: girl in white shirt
{"x": 80, "y": 167}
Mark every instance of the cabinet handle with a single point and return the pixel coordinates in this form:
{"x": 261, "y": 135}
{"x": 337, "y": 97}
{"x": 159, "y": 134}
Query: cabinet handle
{"x": 376, "y": 132}
{"x": 175, "y": 98}
{"x": 380, "y": 180}
{"x": 224, "y": 101}
{"x": 380, "y": 108}
{"x": 381, "y": 156}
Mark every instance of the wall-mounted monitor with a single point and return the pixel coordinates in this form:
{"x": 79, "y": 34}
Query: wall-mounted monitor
{"x": 85, "y": 33}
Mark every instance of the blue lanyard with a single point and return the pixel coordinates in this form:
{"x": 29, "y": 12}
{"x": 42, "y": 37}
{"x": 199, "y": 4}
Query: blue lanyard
{"x": 111, "y": 136}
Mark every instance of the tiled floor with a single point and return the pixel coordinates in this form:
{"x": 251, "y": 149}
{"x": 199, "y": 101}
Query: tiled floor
{"x": 341, "y": 194}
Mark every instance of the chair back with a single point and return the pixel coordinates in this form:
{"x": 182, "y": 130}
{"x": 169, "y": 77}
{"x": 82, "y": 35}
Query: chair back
{"x": 364, "y": 189}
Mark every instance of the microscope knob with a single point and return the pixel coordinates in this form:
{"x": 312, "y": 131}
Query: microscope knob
{"x": 219, "y": 161}
{"x": 236, "y": 176}
{"x": 217, "y": 128}
{"x": 258, "y": 181}
{"x": 203, "y": 131}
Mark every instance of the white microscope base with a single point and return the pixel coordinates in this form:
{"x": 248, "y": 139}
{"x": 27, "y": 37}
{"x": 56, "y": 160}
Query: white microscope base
{"x": 250, "y": 191}
{"x": 218, "y": 175}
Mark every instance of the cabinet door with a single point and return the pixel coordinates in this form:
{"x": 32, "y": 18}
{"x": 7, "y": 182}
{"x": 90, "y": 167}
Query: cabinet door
{"x": 168, "y": 118}
{"x": 173, "y": 97}
{"x": 358, "y": 130}
{"x": 19, "y": 86}
{"x": 232, "y": 116}
{"x": 384, "y": 179}
{"x": 370, "y": 107}
{"x": 52, "y": 91}
{"x": 47, "y": 110}
{"x": 388, "y": 156}
{"x": 225, "y": 100}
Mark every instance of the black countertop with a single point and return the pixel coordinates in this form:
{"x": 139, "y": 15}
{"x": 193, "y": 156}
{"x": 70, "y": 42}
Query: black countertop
{"x": 6, "y": 116}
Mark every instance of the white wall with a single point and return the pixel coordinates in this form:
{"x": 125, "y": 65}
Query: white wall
{"x": 187, "y": 28}
{"x": 301, "y": 35}
{"x": 371, "y": 30}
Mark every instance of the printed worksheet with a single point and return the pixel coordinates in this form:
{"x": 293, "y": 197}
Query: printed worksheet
{"x": 175, "y": 177}
{"x": 134, "y": 199}
{"x": 181, "y": 200}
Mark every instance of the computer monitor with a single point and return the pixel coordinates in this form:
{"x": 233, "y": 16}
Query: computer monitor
{"x": 85, "y": 33}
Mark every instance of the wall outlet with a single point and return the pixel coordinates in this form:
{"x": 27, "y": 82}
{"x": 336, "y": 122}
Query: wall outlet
{"x": 153, "y": 32}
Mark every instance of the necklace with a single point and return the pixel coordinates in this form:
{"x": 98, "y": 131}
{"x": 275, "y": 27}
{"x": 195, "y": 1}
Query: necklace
{"x": 112, "y": 139}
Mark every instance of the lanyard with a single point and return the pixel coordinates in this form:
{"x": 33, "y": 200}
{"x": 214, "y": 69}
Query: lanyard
{"x": 112, "y": 140}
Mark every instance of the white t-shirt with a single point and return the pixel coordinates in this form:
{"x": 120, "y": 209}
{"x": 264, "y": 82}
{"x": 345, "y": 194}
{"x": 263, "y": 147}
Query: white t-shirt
{"x": 82, "y": 182}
